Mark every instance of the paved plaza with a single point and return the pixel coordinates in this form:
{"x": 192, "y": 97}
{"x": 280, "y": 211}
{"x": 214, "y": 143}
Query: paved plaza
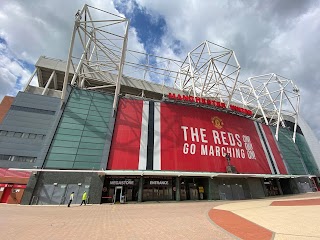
{"x": 249, "y": 219}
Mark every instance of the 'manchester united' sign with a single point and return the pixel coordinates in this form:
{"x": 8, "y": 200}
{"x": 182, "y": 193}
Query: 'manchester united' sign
{"x": 208, "y": 102}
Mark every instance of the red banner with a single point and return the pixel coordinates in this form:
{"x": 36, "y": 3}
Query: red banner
{"x": 124, "y": 152}
{"x": 197, "y": 139}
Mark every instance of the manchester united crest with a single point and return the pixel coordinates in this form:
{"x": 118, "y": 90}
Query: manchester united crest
{"x": 217, "y": 122}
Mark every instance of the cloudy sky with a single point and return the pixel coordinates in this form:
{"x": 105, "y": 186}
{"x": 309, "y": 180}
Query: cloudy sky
{"x": 276, "y": 36}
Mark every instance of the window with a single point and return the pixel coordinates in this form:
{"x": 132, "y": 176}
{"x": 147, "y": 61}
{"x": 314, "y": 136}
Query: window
{"x": 25, "y": 135}
{"x": 10, "y": 134}
{"x": 4, "y": 157}
{"x": 40, "y": 136}
{"x": 3, "y": 133}
{"x": 32, "y": 135}
{"x": 17, "y": 158}
{"x": 17, "y": 134}
{"x": 35, "y": 110}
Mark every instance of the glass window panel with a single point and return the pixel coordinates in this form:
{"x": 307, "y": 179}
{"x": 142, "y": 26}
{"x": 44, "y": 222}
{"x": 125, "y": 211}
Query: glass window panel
{"x": 86, "y": 158}
{"x": 59, "y": 164}
{"x": 17, "y": 134}
{"x": 85, "y": 165}
{"x": 10, "y": 134}
{"x": 25, "y": 135}
{"x": 91, "y": 145}
{"x": 63, "y": 150}
{"x": 67, "y": 137}
{"x": 90, "y": 152}
{"x": 3, "y": 133}
{"x": 32, "y": 136}
{"x": 61, "y": 157}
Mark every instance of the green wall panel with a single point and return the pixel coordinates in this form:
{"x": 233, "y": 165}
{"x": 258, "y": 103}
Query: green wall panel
{"x": 61, "y": 157}
{"x": 84, "y": 165}
{"x": 307, "y": 155}
{"x": 290, "y": 152}
{"x": 91, "y": 145}
{"x": 87, "y": 158}
{"x": 59, "y": 164}
{"x": 64, "y": 150}
{"x": 80, "y": 137}
{"x": 93, "y": 140}
{"x": 68, "y": 144}
{"x": 65, "y": 131}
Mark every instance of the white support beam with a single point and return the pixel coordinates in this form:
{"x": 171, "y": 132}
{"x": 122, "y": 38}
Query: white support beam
{"x": 30, "y": 79}
{"x": 55, "y": 81}
{"x": 296, "y": 119}
{"x": 121, "y": 64}
{"x": 48, "y": 83}
{"x": 66, "y": 76}
{"x": 279, "y": 116}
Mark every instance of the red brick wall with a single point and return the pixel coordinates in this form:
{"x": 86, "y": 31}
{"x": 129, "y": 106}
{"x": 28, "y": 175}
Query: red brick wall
{"x": 5, "y": 106}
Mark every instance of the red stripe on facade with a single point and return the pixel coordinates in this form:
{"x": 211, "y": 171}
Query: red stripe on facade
{"x": 125, "y": 146}
{"x": 274, "y": 149}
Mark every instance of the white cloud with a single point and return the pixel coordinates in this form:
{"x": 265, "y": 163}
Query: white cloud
{"x": 13, "y": 76}
{"x": 36, "y": 28}
{"x": 277, "y": 36}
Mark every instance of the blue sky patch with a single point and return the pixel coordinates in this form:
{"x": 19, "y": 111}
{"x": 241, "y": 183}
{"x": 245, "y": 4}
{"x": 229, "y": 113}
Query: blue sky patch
{"x": 149, "y": 29}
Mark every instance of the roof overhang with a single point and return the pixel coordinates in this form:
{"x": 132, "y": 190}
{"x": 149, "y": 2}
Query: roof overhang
{"x": 165, "y": 173}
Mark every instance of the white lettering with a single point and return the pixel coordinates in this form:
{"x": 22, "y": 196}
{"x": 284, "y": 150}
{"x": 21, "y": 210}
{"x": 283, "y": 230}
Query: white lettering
{"x": 203, "y": 135}
{"x": 184, "y": 128}
{"x": 239, "y": 143}
{"x": 223, "y": 151}
{"x": 216, "y": 137}
{"x": 237, "y": 153}
{"x": 185, "y": 148}
{"x": 192, "y": 148}
{"x": 159, "y": 182}
{"x": 223, "y": 137}
{"x": 204, "y": 150}
{"x": 211, "y": 151}
{"x": 217, "y": 151}
{"x": 194, "y": 134}
{"x": 243, "y": 155}
{"x": 232, "y": 142}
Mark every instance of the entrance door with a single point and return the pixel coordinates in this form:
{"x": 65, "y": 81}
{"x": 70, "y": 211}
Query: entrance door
{"x": 82, "y": 188}
{"x": 6, "y": 194}
{"x": 45, "y": 194}
{"x": 117, "y": 194}
{"x": 225, "y": 192}
{"x": 71, "y": 188}
{"x": 58, "y": 194}
{"x": 237, "y": 192}
{"x": 193, "y": 193}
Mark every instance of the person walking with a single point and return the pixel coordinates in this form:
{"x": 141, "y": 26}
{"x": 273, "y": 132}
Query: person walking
{"x": 70, "y": 199}
{"x": 84, "y": 198}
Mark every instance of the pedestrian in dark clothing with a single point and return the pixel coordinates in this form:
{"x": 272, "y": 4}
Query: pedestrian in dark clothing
{"x": 70, "y": 199}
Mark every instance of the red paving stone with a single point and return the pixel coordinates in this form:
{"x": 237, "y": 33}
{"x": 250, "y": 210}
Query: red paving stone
{"x": 239, "y": 226}
{"x": 304, "y": 202}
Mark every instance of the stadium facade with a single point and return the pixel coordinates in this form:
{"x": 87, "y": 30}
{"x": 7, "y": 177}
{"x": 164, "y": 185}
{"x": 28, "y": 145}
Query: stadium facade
{"x": 96, "y": 124}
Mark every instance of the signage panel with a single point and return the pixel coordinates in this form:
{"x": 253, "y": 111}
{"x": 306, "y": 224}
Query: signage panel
{"x": 197, "y": 139}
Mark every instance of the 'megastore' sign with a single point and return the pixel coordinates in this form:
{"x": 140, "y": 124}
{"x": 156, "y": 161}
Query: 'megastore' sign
{"x": 208, "y": 102}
